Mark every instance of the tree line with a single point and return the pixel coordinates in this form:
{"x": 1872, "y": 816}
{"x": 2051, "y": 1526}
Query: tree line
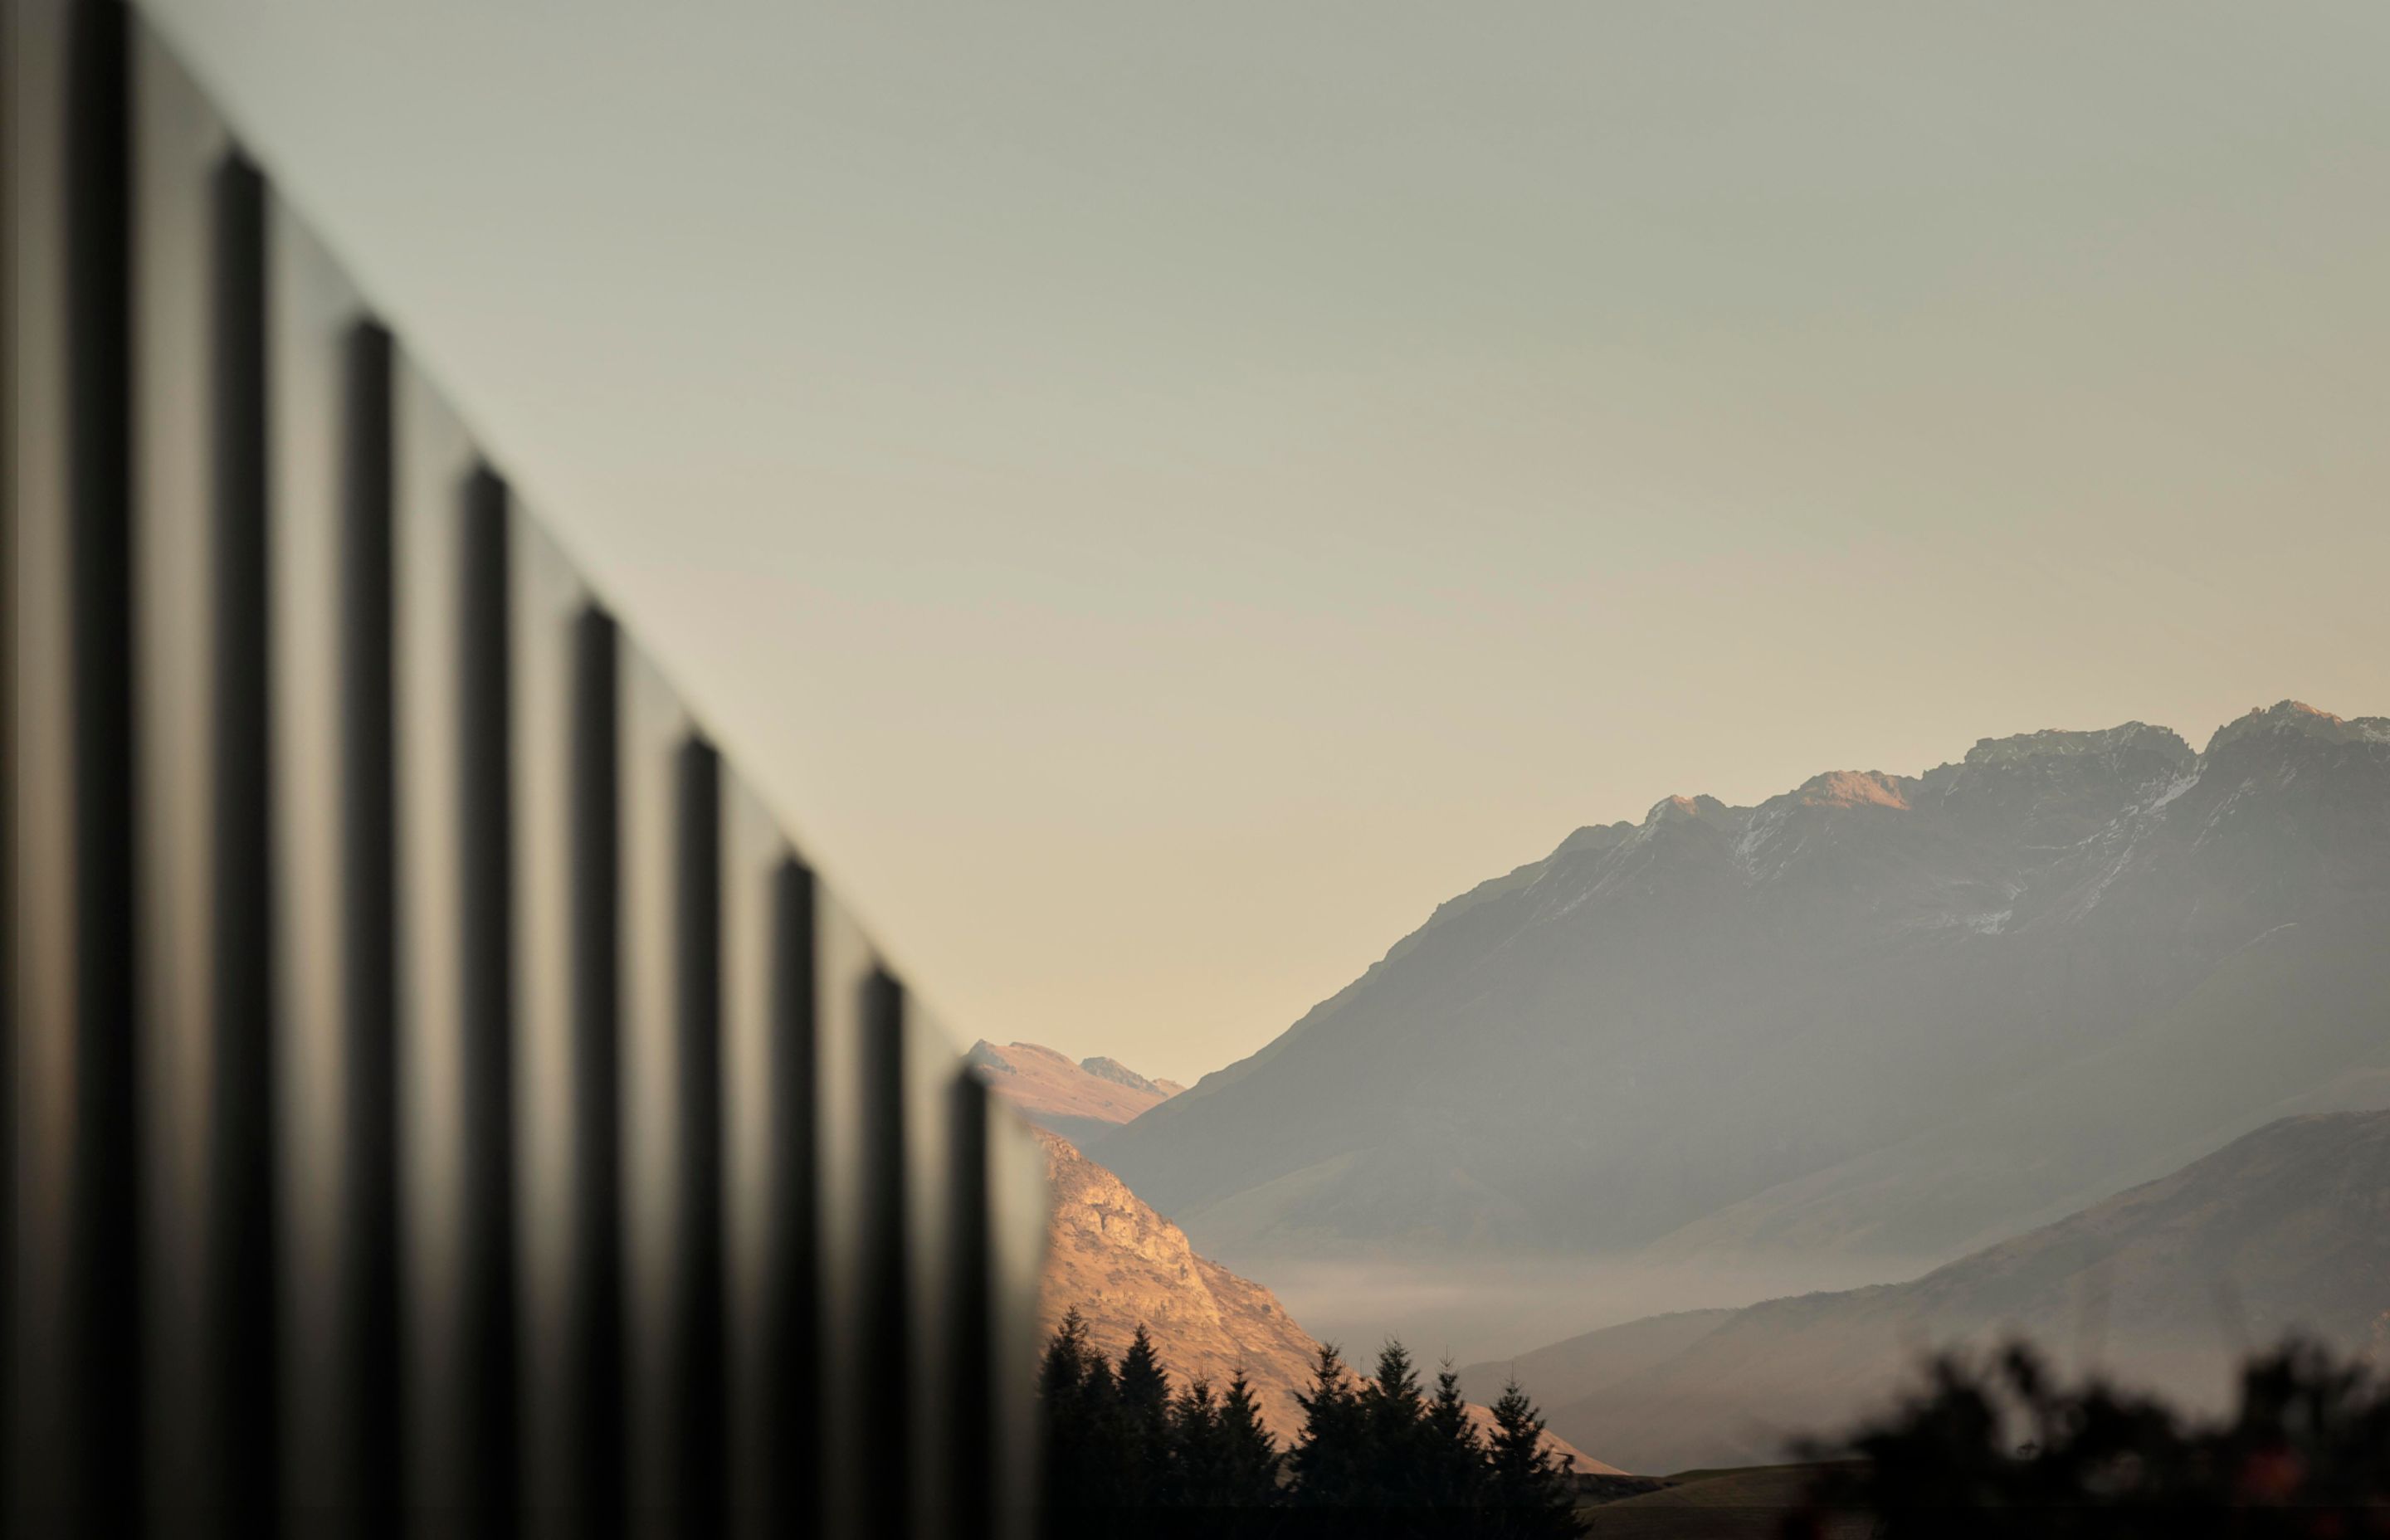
{"x": 2001, "y": 1446}
{"x": 1126, "y": 1453}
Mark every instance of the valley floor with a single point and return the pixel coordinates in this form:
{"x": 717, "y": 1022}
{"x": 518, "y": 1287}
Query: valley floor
{"x": 1748, "y": 1503}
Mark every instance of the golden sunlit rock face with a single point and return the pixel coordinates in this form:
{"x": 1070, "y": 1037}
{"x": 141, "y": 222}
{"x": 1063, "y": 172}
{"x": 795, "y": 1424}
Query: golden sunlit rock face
{"x": 1120, "y": 1264}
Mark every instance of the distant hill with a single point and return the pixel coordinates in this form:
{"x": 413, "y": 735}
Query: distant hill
{"x": 1121, "y": 1264}
{"x": 1571, "y": 1369}
{"x": 1081, "y": 1102}
{"x": 1879, "y": 1017}
{"x": 2162, "y": 1286}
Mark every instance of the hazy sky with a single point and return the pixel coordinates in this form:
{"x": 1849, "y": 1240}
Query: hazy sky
{"x": 1161, "y": 497}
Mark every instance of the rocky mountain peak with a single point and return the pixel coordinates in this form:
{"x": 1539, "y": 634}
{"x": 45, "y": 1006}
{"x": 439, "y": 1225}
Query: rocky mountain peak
{"x": 1673, "y": 810}
{"x": 2061, "y": 786}
{"x": 1105, "y": 1068}
{"x": 2297, "y": 720}
{"x": 1851, "y": 789}
{"x": 2058, "y": 743}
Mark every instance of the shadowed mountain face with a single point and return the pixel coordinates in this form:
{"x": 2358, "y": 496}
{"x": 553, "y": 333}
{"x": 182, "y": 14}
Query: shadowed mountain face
{"x": 2162, "y": 1286}
{"x": 1083, "y": 1101}
{"x": 1876, "y": 1016}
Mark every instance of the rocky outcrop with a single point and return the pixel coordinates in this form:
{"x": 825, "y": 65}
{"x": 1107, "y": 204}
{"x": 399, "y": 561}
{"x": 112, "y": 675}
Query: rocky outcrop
{"x": 1121, "y": 1264}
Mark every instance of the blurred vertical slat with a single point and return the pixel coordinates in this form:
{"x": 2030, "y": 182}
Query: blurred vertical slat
{"x": 885, "y": 1406}
{"x": 104, "y": 1257}
{"x": 434, "y": 461}
{"x": 368, "y": 945}
{"x": 844, "y": 966}
{"x": 488, "y": 1283}
{"x": 775, "y": 940}
{"x": 966, "y": 1298}
{"x": 654, "y": 729}
{"x": 928, "y": 1073}
{"x": 9, "y": 85}
{"x": 766, "y": 963}
{"x": 312, "y": 312}
{"x": 546, "y": 600}
{"x": 596, "y": 925}
{"x": 699, "y": 1239}
{"x": 75, "y": 1368}
{"x": 1017, "y": 1214}
{"x": 179, "y": 275}
{"x": 793, "y": 1426}
{"x": 42, "y": 766}
{"x": 243, "y": 1285}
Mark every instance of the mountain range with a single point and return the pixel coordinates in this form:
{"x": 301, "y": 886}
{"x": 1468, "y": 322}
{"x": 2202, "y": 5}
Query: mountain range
{"x": 1877, "y": 1017}
{"x": 2161, "y": 1286}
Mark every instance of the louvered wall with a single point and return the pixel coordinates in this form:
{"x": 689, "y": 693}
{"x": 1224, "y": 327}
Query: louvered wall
{"x": 439, "y": 1098}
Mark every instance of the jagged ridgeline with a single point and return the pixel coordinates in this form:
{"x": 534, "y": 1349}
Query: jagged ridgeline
{"x": 1878, "y": 1015}
{"x": 1081, "y": 1102}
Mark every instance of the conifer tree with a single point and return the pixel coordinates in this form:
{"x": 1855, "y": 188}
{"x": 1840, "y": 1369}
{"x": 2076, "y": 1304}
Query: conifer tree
{"x": 1249, "y": 1459}
{"x": 1063, "y": 1369}
{"x": 1197, "y": 1452}
{"x": 1144, "y": 1401}
{"x": 1531, "y": 1491}
{"x": 1104, "y": 1481}
{"x": 1455, "y": 1459}
{"x": 1331, "y": 1458}
{"x": 1394, "y": 1418}
{"x": 1062, "y": 1391}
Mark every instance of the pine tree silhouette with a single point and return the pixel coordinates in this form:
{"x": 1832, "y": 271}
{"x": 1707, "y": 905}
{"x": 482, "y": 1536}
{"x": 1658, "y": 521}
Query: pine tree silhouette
{"x": 1105, "y": 1485}
{"x": 1529, "y": 1489}
{"x": 1198, "y": 1448}
{"x": 1099, "y": 1461}
{"x": 1249, "y": 1459}
{"x": 1062, "y": 1392}
{"x": 1144, "y": 1401}
{"x": 1331, "y": 1458}
{"x": 1393, "y": 1422}
{"x": 1405, "y": 1465}
{"x": 1455, "y": 1458}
